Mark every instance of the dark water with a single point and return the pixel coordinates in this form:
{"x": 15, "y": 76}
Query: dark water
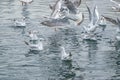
{"x": 91, "y": 60}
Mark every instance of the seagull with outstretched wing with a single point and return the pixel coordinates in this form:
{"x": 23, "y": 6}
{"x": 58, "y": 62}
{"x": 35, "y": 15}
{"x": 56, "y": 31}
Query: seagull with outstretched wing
{"x": 20, "y": 22}
{"x": 56, "y": 9}
{"x": 93, "y": 17}
{"x": 91, "y": 27}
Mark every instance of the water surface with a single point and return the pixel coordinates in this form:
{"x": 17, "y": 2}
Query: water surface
{"x": 91, "y": 60}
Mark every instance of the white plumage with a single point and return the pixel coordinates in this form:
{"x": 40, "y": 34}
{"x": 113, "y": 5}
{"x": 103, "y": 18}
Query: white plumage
{"x": 93, "y": 20}
{"x": 20, "y": 22}
{"x": 35, "y": 43}
{"x": 64, "y": 55}
{"x": 91, "y": 27}
{"x": 102, "y": 22}
{"x": 117, "y": 7}
{"x": 27, "y": 1}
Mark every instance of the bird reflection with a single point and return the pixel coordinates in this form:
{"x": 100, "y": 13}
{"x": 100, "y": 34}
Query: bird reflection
{"x": 25, "y": 12}
{"x": 66, "y": 71}
{"x": 30, "y": 53}
{"x": 118, "y": 64}
{"x": 92, "y": 50}
{"x": 117, "y": 67}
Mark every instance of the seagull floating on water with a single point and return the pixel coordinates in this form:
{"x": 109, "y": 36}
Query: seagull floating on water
{"x": 93, "y": 17}
{"x": 25, "y": 2}
{"x": 91, "y": 28}
{"x": 56, "y": 9}
{"x": 19, "y": 22}
{"x": 65, "y": 56}
{"x": 116, "y": 7}
{"x": 102, "y": 22}
{"x": 35, "y": 43}
{"x": 72, "y": 5}
{"x": 64, "y": 21}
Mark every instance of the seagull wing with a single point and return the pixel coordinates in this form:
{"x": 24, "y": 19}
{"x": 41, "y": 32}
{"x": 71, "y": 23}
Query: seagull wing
{"x": 57, "y": 8}
{"x": 95, "y": 15}
{"x": 81, "y": 20}
{"x": 111, "y": 20}
{"x": 115, "y": 2}
{"x": 26, "y": 43}
{"x": 77, "y": 3}
{"x": 52, "y": 7}
{"x": 90, "y": 14}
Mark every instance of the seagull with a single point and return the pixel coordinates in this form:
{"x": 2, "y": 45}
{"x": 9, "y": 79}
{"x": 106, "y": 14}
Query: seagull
{"x": 102, "y": 22}
{"x": 72, "y": 6}
{"x": 74, "y": 13}
{"x": 56, "y": 9}
{"x": 34, "y": 43}
{"x": 116, "y": 22}
{"x": 56, "y": 22}
{"x": 57, "y": 5}
{"x": 65, "y": 56}
{"x": 61, "y": 16}
{"x": 64, "y": 21}
{"x": 93, "y": 20}
{"x": 64, "y": 18}
{"x": 78, "y": 18}
{"x": 20, "y": 22}
{"x": 25, "y": 2}
{"x": 91, "y": 28}
{"x": 116, "y": 7}
{"x": 33, "y": 35}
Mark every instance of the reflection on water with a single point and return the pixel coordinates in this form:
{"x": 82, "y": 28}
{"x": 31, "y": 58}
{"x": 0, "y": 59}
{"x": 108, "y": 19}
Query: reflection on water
{"x": 92, "y": 60}
{"x": 66, "y": 71}
{"x": 92, "y": 50}
{"x": 25, "y": 12}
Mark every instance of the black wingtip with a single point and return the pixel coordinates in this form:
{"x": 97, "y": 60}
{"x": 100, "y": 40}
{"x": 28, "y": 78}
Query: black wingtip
{"x": 114, "y": 21}
{"x": 26, "y": 43}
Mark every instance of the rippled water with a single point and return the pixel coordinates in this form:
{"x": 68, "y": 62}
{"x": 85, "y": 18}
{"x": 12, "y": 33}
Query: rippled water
{"x": 91, "y": 60}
